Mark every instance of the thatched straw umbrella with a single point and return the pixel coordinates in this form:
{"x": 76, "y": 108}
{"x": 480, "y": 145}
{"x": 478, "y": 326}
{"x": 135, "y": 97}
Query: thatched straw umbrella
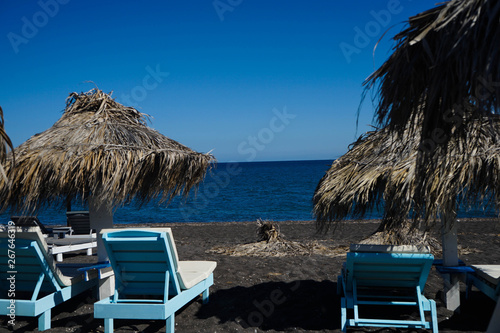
{"x": 443, "y": 73}
{"x": 103, "y": 153}
{"x": 381, "y": 167}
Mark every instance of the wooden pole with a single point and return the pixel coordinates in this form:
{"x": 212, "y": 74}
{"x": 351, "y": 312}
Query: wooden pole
{"x": 451, "y": 295}
{"x": 101, "y": 217}
{"x": 68, "y": 204}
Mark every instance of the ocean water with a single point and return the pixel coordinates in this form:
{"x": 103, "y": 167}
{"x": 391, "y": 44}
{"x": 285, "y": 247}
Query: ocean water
{"x": 247, "y": 191}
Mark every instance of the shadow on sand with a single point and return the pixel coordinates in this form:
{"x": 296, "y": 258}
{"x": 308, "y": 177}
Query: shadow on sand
{"x": 304, "y": 305}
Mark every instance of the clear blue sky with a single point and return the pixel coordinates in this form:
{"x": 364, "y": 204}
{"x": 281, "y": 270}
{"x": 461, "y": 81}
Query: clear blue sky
{"x": 250, "y": 80}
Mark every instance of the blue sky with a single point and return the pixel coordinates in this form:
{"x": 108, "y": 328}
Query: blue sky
{"x": 249, "y": 80}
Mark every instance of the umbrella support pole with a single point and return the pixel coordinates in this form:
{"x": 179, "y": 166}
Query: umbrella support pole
{"x": 451, "y": 294}
{"x": 102, "y": 218}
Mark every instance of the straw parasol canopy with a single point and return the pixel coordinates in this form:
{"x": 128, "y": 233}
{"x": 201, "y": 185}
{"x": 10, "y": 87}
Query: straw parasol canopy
{"x": 102, "y": 149}
{"x": 380, "y": 170}
{"x": 5, "y": 144}
{"x": 435, "y": 99}
{"x": 445, "y": 59}
{"x": 441, "y": 80}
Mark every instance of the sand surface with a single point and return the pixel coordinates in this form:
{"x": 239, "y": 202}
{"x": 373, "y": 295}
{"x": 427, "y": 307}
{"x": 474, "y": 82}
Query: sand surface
{"x": 280, "y": 294}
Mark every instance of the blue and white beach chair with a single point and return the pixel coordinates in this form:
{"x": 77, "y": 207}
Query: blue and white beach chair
{"x": 382, "y": 275}
{"x": 146, "y": 264}
{"x": 31, "y": 282}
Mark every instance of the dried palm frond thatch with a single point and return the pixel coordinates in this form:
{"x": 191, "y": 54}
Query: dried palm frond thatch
{"x": 444, "y": 64}
{"x": 381, "y": 167}
{"x": 103, "y": 149}
{"x": 403, "y": 232}
{"x": 440, "y": 85}
{"x": 5, "y": 143}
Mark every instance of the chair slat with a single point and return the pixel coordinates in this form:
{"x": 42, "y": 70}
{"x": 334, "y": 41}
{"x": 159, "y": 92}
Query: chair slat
{"x": 151, "y": 256}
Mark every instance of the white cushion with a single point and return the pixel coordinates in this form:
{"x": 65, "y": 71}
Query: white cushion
{"x": 192, "y": 272}
{"x": 490, "y": 273}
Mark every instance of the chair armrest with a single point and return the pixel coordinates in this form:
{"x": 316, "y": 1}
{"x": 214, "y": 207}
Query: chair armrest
{"x": 454, "y": 269}
{"x": 61, "y": 231}
{"x": 103, "y": 269}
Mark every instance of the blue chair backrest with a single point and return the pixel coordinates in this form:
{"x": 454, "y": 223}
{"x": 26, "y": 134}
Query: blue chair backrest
{"x": 29, "y": 263}
{"x": 140, "y": 259}
{"x": 388, "y": 269}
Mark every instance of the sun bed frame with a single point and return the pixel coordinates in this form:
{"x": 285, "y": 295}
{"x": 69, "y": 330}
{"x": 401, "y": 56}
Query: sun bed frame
{"x": 79, "y": 221}
{"x": 385, "y": 276}
{"x": 35, "y": 272}
{"x": 62, "y": 239}
{"x": 33, "y": 221}
{"x": 145, "y": 263}
{"x": 72, "y": 243}
{"x": 486, "y": 278}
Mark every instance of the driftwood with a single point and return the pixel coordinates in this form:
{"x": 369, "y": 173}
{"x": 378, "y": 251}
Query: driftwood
{"x": 271, "y": 242}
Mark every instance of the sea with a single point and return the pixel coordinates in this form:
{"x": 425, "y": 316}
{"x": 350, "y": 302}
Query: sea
{"x": 247, "y": 191}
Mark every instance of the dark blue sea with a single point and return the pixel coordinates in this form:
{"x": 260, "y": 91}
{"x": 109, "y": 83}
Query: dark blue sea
{"x": 275, "y": 191}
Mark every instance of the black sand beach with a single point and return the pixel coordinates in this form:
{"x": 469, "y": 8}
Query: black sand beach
{"x": 280, "y": 294}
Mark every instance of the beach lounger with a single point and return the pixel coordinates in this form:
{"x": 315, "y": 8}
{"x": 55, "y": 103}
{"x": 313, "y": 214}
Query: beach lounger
{"x": 82, "y": 238}
{"x": 486, "y": 278}
{"x": 71, "y": 243}
{"x": 145, "y": 263}
{"x": 62, "y": 239}
{"x": 385, "y": 276}
{"x": 31, "y": 282}
{"x": 33, "y": 221}
{"x": 79, "y": 221}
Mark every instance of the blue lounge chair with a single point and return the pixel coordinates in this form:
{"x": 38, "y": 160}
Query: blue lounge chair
{"x": 31, "y": 282}
{"x": 383, "y": 275}
{"x": 145, "y": 263}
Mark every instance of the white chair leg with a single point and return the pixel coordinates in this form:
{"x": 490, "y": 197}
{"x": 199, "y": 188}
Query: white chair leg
{"x": 59, "y": 257}
{"x": 89, "y": 251}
